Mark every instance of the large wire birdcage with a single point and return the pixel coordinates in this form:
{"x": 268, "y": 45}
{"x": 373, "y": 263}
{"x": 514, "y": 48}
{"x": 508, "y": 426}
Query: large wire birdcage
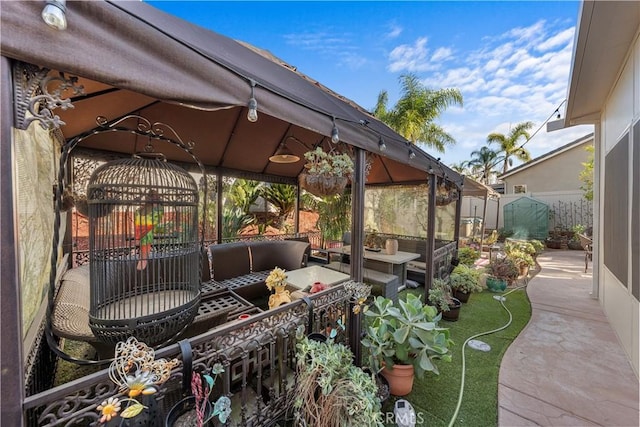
{"x": 144, "y": 252}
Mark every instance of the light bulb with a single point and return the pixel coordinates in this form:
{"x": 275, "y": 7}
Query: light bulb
{"x": 412, "y": 155}
{"x": 335, "y": 138}
{"x": 252, "y": 114}
{"x": 53, "y": 14}
{"x": 381, "y": 144}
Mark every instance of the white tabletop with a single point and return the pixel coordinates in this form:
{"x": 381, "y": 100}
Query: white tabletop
{"x": 303, "y": 278}
{"x": 398, "y": 258}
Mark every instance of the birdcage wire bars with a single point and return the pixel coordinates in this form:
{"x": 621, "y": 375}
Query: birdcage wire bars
{"x": 144, "y": 251}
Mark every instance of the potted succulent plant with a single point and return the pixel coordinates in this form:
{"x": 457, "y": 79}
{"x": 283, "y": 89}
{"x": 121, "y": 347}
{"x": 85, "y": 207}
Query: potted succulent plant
{"x": 464, "y": 281}
{"x": 501, "y": 272}
{"x": 326, "y": 173}
{"x": 405, "y": 340}
{"x": 441, "y": 297}
{"x": 330, "y": 390}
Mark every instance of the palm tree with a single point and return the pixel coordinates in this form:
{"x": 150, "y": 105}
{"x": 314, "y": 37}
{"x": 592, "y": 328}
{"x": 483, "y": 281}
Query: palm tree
{"x": 283, "y": 197}
{"x": 509, "y": 146}
{"x": 483, "y": 161}
{"x": 414, "y": 114}
{"x": 461, "y": 167}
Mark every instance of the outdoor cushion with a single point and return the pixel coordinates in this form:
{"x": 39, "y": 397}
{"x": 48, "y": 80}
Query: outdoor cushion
{"x": 287, "y": 254}
{"x": 230, "y": 260}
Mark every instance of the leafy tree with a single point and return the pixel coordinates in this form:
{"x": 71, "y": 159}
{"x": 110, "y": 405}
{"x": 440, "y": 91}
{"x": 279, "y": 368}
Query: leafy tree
{"x": 508, "y": 144}
{"x": 483, "y": 161}
{"x": 586, "y": 175}
{"x": 414, "y": 114}
{"x": 283, "y": 197}
{"x": 334, "y": 216}
{"x": 462, "y": 168}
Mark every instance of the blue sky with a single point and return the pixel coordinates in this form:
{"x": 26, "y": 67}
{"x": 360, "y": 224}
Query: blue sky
{"x": 511, "y": 60}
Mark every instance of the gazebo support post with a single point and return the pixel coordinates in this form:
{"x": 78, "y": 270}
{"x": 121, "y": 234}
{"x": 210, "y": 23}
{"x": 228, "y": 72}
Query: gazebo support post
{"x": 357, "y": 246}
{"x": 456, "y": 231}
{"x": 431, "y": 236}
{"x": 484, "y": 221}
{"x": 219, "y": 216}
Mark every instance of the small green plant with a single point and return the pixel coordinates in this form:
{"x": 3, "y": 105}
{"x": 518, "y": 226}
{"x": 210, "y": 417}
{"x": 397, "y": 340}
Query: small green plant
{"x": 521, "y": 258}
{"x": 503, "y": 234}
{"x": 519, "y": 245}
{"x": 468, "y": 256}
{"x": 407, "y": 335}
{"x": 330, "y": 390}
{"x": 538, "y": 246}
{"x": 503, "y": 268}
{"x": 465, "y": 279}
{"x": 440, "y": 295}
{"x": 322, "y": 163}
{"x": 577, "y": 229}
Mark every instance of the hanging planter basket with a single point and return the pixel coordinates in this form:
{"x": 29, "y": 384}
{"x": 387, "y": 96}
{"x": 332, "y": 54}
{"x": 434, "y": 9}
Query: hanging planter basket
{"x": 321, "y": 185}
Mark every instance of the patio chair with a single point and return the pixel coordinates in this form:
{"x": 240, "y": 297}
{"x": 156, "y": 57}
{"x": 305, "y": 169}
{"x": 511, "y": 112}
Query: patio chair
{"x": 587, "y": 245}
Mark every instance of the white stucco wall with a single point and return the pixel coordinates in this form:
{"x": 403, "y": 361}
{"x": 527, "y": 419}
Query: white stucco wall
{"x": 621, "y": 110}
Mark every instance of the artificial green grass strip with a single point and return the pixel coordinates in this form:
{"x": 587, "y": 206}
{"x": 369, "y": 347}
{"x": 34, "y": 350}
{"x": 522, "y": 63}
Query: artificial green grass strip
{"x": 435, "y": 397}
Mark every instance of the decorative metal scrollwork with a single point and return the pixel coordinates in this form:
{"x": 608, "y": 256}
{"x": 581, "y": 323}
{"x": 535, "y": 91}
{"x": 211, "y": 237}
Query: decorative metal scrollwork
{"x": 37, "y": 92}
{"x": 146, "y": 127}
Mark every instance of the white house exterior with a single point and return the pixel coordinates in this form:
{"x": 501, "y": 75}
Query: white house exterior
{"x": 552, "y": 178}
{"x": 604, "y": 90}
{"x": 557, "y": 170}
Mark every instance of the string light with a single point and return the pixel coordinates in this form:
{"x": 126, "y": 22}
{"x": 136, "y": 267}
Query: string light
{"x": 252, "y": 114}
{"x": 54, "y": 14}
{"x": 381, "y": 144}
{"x": 335, "y": 137}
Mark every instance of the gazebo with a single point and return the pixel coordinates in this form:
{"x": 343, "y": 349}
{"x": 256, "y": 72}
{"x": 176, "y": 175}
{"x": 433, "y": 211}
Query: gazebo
{"x": 233, "y": 106}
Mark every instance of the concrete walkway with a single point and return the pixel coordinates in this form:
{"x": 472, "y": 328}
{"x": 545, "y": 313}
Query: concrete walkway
{"x": 566, "y": 368}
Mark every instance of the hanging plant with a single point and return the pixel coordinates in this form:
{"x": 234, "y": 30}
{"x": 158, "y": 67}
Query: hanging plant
{"x": 326, "y": 173}
{"x": 446, "y": 194}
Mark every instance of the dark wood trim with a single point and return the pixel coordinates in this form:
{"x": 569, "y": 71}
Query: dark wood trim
{"x": 11, "y": 360}
{"x": 357, "y": 246}
{"x": 431, "y": 235}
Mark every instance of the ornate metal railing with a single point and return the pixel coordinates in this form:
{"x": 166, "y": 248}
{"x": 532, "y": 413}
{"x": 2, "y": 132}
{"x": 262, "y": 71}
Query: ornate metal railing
{"x": 258, "y": 355}
{"x": 442, "y": 259}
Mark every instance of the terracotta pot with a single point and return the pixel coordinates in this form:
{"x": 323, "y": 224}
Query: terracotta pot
{"x": 462, "y": 296}
{"x": 400, "y": 379}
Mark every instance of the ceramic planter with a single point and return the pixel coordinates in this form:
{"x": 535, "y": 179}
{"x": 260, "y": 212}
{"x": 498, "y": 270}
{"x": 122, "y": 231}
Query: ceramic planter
{"x": 495, "y": 284}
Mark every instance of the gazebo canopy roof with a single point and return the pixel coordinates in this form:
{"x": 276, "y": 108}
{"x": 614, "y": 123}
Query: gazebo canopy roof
{"x": 474, "y": 188}
{"x": 134, "y": 59}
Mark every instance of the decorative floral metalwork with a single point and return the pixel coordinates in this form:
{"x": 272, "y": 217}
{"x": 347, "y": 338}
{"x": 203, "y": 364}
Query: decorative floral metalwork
{"x": 39, "y": 93}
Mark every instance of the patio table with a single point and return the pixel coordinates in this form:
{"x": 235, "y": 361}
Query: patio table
{"x": 381, "y": 261}
{"x": 303, "y": 278}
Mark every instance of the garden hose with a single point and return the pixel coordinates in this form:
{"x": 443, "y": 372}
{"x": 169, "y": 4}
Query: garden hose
{"x": 461, "y": 393}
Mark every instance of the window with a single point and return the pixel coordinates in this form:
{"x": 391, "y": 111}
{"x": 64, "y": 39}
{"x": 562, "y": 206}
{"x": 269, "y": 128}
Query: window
{"x": 521, "y": 188}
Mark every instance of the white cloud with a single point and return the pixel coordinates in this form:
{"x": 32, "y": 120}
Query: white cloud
{"x": 561, "y": 38}
{"x": 394, "y": 31}
{"x": 520, "y": 75}
{"x": 441, "y": 54}
{"x": 328, "y": 44}
{"x": 409, "y": 57}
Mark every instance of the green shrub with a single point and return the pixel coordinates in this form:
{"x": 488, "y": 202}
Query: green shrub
{"x": 465, "y": 279}
{"x": 468, "y": 256}
{"x": 503, "y": 234}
